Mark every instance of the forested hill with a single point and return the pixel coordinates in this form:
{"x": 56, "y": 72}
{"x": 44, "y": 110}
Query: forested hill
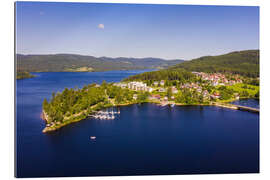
{"x": 240, "y": 62}
{"x": 79, "y": 63}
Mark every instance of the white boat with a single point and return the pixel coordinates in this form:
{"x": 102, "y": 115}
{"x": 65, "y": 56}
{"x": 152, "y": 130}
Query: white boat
{"x": 93, "y": 137}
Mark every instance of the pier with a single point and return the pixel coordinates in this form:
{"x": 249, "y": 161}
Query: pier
{"x": 245, "y": 108}
{"x": 238, "y": 107}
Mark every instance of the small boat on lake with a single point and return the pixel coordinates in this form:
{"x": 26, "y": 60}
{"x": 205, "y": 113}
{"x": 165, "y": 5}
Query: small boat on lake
{"x": 93, "y": 137}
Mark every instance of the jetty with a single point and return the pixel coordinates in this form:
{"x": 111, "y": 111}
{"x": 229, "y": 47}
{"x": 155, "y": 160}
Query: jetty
{"x": 238, "y": 107}
{"x": 246, "y": 108}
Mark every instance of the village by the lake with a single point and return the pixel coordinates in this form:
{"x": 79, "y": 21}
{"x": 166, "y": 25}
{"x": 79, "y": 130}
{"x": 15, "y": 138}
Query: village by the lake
{"x": 124, "y": 89}
{"x": 215, "y": 89}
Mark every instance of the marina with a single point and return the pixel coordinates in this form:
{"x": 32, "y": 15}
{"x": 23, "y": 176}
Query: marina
{"x": 106, "y": 115}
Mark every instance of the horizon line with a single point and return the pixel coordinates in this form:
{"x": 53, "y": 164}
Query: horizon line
{"x": 36, "y": 54}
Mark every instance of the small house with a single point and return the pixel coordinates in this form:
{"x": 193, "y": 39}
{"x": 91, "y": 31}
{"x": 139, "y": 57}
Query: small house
{"x": 156, "y": 83}
{"x": 135, "y": 96}
{"x": 162, "y": 82}
{"x": 162, "y": 90}
{"x": 174, "y": 90}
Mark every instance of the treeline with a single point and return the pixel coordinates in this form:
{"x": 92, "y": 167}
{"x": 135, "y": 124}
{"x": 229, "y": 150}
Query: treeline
{"x": 245, "y": 63}
{"x": 178, "y": 75}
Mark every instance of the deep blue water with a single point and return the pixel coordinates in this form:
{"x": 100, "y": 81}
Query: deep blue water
{"x": 248, "y": 102}
{"x": 144, "y": 139}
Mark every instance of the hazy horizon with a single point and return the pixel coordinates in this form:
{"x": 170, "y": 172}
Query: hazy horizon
{"x": 135, "y": 30}
{"x": 130, "y": 57}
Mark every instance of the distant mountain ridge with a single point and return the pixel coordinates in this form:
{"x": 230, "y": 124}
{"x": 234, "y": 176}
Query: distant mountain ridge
{"x": 80, "y": 63}
{"x": 245, "y": 63}
{"x": 239, "y": 62}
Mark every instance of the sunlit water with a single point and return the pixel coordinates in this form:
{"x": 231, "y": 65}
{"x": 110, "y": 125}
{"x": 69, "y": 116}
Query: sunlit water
{"x": 143, "y": 139}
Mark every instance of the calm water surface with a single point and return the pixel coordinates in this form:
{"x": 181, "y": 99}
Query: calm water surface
{"x": 248, "y": 102}
{"x": 143, "y": 139}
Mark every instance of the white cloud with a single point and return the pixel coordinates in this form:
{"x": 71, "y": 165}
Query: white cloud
{"x": 101, "y": 26}
{"x": 41, "y": 13}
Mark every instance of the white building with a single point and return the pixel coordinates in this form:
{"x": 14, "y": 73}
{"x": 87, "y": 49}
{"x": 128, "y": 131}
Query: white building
{"x": 137, "y": 86}
{"x": 162, "y": 82}
{"x": 135, "y": 96}
{"x": 162, "y": 90}
{"x": 156, "y": 83}
{"x": 174, "y": 90}
{"x": 149, "y": 89}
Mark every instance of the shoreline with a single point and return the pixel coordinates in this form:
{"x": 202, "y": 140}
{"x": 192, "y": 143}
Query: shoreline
{"x": 58, "y": 125}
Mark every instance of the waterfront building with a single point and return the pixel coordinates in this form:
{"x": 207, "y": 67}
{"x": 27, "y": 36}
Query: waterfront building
{"x": 215, "y": 95}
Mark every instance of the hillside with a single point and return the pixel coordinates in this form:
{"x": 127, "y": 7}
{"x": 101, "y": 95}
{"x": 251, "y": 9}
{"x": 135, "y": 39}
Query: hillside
{"x": 164, "y": 74}
{"x": 79, "y": 63}
{"x": 245, "y": 63}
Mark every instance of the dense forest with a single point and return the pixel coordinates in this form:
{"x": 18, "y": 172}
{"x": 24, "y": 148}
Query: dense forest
{"x": 23, "y": 75}
{"x": 245, "y": 63}
{"x": 79, "y": 63}
{"x": 179, "y": 75}
{"x": 75, "y": 104}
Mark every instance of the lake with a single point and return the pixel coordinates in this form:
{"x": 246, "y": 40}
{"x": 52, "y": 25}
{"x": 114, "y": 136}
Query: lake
{"x": 254, "y": 103}
{"x": 144, "y": 139}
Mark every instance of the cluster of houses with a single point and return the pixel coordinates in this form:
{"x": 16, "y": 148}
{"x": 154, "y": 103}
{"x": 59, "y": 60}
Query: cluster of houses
{"x": 214, "y": 78}
{"x": 140, "y": 86}
{"x": 218, "y": 78}
{"x": 195, "y": 86}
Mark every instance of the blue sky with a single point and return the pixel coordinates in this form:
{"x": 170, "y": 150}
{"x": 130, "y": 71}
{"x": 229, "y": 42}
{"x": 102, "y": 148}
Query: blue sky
{"x": 134, "y": 30}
